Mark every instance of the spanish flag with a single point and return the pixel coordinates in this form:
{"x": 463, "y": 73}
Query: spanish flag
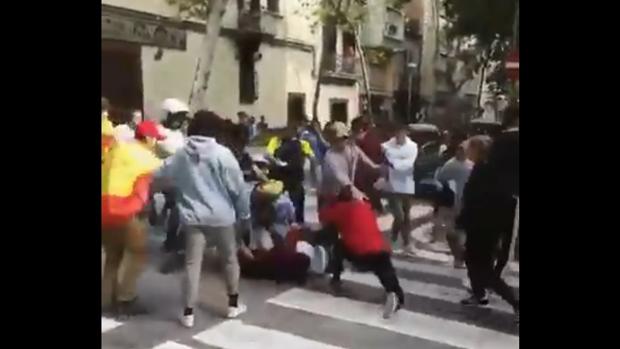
{"x": 127, "y": 169}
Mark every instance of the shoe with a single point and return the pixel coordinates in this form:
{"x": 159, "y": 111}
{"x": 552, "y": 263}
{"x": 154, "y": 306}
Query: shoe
{"x": 475, "y": 301}
{"x": 411, "y": 250}
{"x": 336, "y": 286}
{"x": 130, "y": 308}
{"x": 234, "y": 312}
{"x": 187, "y": 320}
{"x": 459, "y": 264}
{"x": 390, "y": 306}
{"x": 318, "y": 265}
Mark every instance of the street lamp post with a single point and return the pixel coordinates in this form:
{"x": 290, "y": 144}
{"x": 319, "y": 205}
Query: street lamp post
{"x": 410, "y": 69}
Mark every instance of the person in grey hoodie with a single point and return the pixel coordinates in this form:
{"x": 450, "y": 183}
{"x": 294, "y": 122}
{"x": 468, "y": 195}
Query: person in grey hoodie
{"x": 211, "y": 198}
{"x": 454, "y": 174}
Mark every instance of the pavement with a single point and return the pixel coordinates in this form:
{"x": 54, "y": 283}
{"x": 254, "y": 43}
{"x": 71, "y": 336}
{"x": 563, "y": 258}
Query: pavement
{"x": 310, "y": 316}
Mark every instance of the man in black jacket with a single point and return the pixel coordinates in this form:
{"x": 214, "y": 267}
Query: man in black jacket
{"x": 488, "y": 214}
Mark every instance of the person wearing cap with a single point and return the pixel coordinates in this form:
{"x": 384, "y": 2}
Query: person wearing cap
{"x": 400, "y": 155}
{"x": 175, "y": 115}
{"x": 340, "y": 163}
{"x": 126, "y": 177}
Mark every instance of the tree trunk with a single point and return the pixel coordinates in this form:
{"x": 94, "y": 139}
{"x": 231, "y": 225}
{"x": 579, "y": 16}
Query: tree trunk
{"x": 317, "y": 90}
{"x": 360, "y": 51}
{"x": 217, "y": 9}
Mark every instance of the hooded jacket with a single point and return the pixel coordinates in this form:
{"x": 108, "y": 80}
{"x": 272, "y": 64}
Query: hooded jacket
{"x": 209, "y": 183}
{"x": 401, "y": 159}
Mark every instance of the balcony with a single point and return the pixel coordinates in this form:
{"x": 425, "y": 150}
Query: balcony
{"x": 258, "y": 23}
{"x": 340, "y": 64}
{"x": 341, "y": 69}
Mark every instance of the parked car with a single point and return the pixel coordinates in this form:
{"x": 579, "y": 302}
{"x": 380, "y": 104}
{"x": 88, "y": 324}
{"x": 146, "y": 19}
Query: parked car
{"x": 484, "y": 127}
{"x": 429, "y": 159}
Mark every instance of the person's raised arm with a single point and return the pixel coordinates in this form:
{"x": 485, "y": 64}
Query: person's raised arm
{"x": 365, "y": 159}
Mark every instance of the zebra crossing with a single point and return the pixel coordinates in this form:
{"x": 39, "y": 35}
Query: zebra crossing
{"x": 311, "y": 316}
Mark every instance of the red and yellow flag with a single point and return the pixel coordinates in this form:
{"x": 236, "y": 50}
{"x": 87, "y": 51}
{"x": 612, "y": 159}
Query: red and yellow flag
{"x": 127, "y": 170}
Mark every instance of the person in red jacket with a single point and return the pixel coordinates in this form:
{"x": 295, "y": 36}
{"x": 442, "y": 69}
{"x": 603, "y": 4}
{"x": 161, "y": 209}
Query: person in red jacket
{"x": 362, "y": 243}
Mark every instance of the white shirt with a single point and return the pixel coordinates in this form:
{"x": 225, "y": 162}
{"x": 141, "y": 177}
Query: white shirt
{"x": 402, "y": 158}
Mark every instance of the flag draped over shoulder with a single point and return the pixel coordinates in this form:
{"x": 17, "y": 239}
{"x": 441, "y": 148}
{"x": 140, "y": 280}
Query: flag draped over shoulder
{"x": 127, "y": 170}
{"x": 107, "y": 135}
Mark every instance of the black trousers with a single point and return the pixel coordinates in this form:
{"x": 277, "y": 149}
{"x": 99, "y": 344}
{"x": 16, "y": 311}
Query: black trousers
{"x": 504, "y": 252}
{"x": 174, "y": 238}
{"x": 378, "y": 263}
{"x": 480, "y": 249}
{"x": 297, "y": 193}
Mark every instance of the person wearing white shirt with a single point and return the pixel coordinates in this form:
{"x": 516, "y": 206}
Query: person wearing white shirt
{"x": 400, "y": 154}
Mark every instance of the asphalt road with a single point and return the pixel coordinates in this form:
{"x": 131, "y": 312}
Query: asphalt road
{"x": 288, "y": 316}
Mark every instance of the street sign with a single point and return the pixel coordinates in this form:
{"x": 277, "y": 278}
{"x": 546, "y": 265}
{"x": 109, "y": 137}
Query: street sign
{"x": 512, "y": 65}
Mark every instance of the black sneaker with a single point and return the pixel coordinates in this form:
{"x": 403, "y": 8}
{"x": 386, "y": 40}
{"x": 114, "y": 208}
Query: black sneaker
{"x": 475, "y": 301}
{"x": 336, "y": 286}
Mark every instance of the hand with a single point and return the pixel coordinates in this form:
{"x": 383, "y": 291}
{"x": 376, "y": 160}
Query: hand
{"x": 246, "y": 252}
{"x": 358, "y": 194}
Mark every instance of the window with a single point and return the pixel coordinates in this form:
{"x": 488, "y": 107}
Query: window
{"x": 338, "y": 110}
{"x": 273, "y": 5}
{"x": 247, "y": 77}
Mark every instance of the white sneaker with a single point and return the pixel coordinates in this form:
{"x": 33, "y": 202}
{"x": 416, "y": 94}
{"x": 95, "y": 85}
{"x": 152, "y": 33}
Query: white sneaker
{"x": 411, "y": 250}
{"x": 187, "y": 320}
{"x": 318, "y": 264}
{"x": 234, "y": 312}
{"x": 391, "y": 303}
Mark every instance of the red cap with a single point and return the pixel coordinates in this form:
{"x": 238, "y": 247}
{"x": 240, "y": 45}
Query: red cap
{"x": 148, "y": 129}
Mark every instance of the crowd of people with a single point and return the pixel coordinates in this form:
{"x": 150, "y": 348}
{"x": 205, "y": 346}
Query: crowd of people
{"x": 251, "y": 208}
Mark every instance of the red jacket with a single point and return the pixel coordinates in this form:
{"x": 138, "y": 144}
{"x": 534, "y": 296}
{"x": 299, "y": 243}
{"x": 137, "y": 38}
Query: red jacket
{"x": 357, "y": 224}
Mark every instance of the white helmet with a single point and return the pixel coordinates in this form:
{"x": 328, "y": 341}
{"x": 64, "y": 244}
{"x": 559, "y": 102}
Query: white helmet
{"x": 173, "y": 106}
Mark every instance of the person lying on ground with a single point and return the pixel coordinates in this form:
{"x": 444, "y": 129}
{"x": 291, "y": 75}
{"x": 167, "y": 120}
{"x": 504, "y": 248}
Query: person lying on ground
{"x": 362, "y": 243}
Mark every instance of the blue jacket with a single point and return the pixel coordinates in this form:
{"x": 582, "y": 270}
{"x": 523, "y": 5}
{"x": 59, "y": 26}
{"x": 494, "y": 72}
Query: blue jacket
{"x": 209, "y": 183}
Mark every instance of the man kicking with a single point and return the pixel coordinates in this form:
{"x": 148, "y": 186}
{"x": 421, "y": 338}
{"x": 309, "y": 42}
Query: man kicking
{"x": 362, "y": 243}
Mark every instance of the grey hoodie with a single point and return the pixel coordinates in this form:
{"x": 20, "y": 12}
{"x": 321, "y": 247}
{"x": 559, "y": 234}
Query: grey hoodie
{"x": 209, "y": 182}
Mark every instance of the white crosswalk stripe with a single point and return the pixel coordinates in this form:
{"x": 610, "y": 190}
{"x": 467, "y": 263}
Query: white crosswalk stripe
{"x": 405, "y": 322}
{"x": 108, "y": 324}
{"x": 443, "y": 271}
{"x": 172, "y": 345}
{"x": 234, "y": 334}
{"x": 434, "y": 316}
{"x": 428, "y": 290}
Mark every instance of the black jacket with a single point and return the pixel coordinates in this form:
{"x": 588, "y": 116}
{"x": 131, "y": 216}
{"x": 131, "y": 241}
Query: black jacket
{"x": 488, "y": 198}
